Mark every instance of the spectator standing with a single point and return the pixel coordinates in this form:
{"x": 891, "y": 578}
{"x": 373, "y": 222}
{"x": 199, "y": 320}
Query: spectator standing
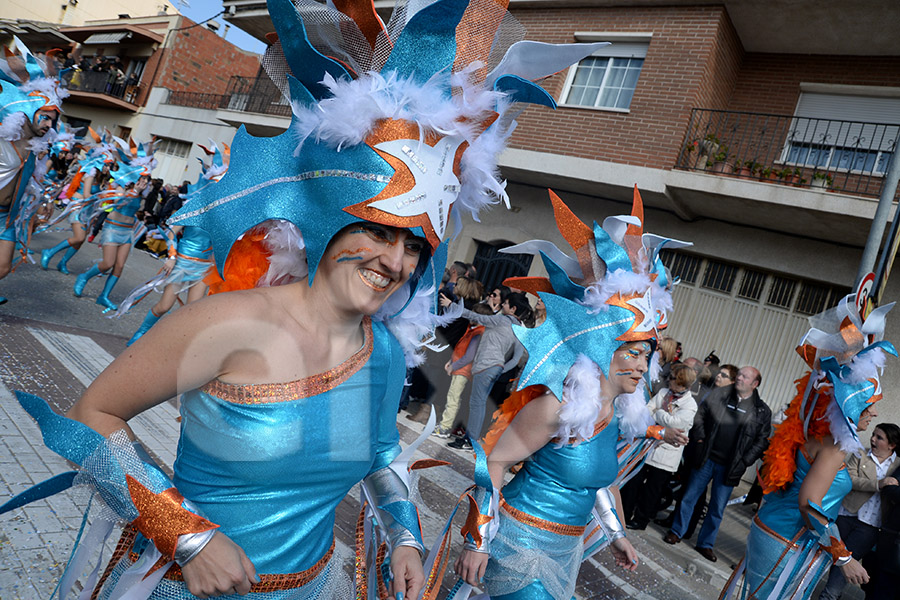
{"x": 862, "y": 510}
{"x": 498, "y": 352}
{"x": 667, "y": 357}
{"x": 673, "y": 407}
{"x": 886, "y": 580}
{"x": 733, "y": 428}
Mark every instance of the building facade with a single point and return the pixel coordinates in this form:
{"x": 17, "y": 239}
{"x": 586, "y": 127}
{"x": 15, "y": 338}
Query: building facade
{"x": 762, "y": 132}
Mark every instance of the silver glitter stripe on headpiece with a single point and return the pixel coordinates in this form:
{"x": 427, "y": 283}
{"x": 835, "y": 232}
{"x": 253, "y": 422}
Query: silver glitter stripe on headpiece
{"x": 524, "y": 380}
{"x": 292, "y": 179}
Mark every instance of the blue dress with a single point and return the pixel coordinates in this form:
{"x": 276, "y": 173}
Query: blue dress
{"x": 537, "y": 551}
{"x": 269, "y": 463}
{"x": 778, "y": 533}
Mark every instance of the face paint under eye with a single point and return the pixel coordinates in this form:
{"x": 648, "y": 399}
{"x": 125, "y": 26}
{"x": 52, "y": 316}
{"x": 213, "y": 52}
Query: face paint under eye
{"x": 620, "y": 373}
{"x": 346, "y": 255}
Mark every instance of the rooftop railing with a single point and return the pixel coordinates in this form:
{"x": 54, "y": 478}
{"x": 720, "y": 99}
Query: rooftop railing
{"x": 245, "y": 94}
{"x": 848, "y": 157}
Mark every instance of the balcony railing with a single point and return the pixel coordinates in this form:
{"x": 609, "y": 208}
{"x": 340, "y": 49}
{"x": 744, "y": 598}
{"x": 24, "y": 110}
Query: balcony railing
{"x": 100, "y": 82}
{"x": 253, "y": 95}
{"x": 849, "y": 157}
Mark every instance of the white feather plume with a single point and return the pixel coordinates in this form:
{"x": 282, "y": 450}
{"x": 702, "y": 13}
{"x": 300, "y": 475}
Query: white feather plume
{"x": 11, "y": 127}
{"x": 582, "y": 401}
{"x": 868, "y": 365}
{"x": 842, "y": 430}
{"x": 634, "y": 418}
{"x": 414, "y": 327}
{"x": 287, "y": 263}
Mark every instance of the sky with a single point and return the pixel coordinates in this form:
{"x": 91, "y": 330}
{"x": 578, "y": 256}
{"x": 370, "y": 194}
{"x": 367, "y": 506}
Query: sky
{"x": 200, "y": 10}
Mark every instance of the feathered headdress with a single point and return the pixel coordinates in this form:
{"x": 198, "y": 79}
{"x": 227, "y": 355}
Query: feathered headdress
{"x": 26, "y": 86}
{"x": 399, "y": 124}
{"x": 845, "y": 353}
{"x": 613, "y": 291}
{"x": 135, "y": 161}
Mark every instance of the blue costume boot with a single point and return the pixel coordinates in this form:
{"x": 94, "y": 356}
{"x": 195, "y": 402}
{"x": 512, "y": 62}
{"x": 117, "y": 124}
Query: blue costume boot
{"x": 82, "y": 279}
{"x": 49, "y": 253}
{"x": 103, "y": 298}
{"x": 63, "y": 265}
{"x": 149, "y": 321}
{"x": 2, "y": 300}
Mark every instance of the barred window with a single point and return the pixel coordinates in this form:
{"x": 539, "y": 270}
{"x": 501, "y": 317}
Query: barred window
{"x": 173, "y": 147}
{"x": 782, "y": 291}
{"x": 751, "y": 284}
{"x": 816, "y": 297}
{"x": 719, "y": 276}
{"x": 681, "y": 266}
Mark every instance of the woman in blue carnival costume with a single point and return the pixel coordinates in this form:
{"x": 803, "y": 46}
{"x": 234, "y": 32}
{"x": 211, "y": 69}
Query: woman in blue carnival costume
{"x": 290, "y": 392}
{"x": 793, "y": 538}
{"x": 30, "y": 104}
{"x": 117, "y": 237}
{"x": 582, "y": 388}
{"x": 190, "y": 257}
{"x": 89, "y": 186}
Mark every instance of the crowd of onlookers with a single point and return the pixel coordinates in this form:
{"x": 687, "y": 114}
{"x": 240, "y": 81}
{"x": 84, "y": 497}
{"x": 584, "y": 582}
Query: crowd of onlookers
{"x": 717, "y": 405}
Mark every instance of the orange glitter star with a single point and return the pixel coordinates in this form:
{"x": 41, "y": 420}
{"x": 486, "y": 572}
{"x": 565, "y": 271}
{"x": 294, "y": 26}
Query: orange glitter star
{"x": 474, "y": 520}
{"x": 162, "y": 518}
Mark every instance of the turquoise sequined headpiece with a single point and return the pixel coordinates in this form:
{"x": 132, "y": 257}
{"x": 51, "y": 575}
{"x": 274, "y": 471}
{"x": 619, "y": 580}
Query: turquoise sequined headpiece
{"x": 135, "y": 161}
{"x": 398, "y": 123}
{"x": 613, "y": 291}
{"x": 25, "y": 88}
{"x": 846, "y": 352}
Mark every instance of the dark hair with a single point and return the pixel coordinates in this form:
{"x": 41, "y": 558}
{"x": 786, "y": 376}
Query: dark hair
{"x": 459, "y": 268}
{"x": 504, "y": 292}
{"x": 891, "y": 432}
{"x": 732, "y": 371}
{"x": 683, "y": 375}
{"x": 482, "y": 308}
{"x": 519, "y": 302}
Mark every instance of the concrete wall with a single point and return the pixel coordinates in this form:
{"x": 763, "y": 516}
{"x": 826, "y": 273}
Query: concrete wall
{"x": 75, "y": 14}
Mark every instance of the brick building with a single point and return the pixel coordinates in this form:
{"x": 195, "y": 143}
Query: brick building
{"x": 145, "y": 62}
{"x": 760, "y": 131}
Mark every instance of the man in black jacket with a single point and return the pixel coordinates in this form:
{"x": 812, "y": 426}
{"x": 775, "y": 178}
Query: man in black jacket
{"x": 732, "y": 429}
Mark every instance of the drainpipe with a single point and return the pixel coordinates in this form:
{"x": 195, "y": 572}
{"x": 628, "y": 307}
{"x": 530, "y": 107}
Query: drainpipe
{"x": 879, "y": 222}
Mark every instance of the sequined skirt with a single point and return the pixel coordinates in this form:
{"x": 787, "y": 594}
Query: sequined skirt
{"x": 115, "y": 233}
{"x": 531, "y": 562}
{"x": 326, "y": 580}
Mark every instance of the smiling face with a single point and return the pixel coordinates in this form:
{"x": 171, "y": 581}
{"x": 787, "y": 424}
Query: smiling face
{"x": 628, "y": 366}
{"x": 865, "y": 418}
{"x": 365, "y": 263}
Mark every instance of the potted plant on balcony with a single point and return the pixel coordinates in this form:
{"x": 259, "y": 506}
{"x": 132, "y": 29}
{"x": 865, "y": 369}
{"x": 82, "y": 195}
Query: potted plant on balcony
{"x": 710, "y": 146}
{"x": 790, "y": 175}
{"x": 695, "y": 157}
{"x": 767, "y": 174}
{"x": 720, "y": 162}
{"x": 745, "y": 168}
{"x": 821, "y": 179}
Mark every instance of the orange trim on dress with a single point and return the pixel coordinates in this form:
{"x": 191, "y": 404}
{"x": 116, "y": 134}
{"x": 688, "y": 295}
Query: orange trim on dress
{"x": 537, "y": 522}
{"x": 789, "y": 543}
{"x": 268, "y": 393}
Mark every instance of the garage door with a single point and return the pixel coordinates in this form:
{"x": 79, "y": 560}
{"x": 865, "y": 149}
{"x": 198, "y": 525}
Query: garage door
{"x": 749, "y": 317}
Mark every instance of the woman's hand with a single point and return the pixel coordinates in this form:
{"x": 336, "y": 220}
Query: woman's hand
{"x": 445, "y": 301}
{"x": 675, "y": 437}
{"x": 220, "y": 569}
{"x": 169, "y": 265}
{"x": 886, "y": 481}
{"x": 447, "y": 368}
{"x": 406, "y": 566}
{"x": 855, "y": 573}
{"x": 470, "y": 566}
{"x": 624, "y": 553}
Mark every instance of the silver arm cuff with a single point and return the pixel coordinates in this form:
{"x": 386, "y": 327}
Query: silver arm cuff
{"x": 386, "y": 487}
{"x": 483, "y": 498}
{"x": 605, "y": 505}
{"x": 190, "y": 544}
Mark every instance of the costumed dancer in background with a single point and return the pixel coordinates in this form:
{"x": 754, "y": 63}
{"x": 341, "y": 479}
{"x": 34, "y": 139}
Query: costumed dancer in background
{"x": 133, "y": 177}
{"x": 190, "y": 256}
{"x": 90, "y": 185}
{"x": 291, "y": 390}
{"x": 793, "y": 538}
{"x": 582, "y": 387}
{"x": 29, "y": 109}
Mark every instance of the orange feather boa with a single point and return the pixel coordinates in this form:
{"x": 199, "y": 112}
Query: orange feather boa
{"x": 780, "y": 458}
{"x": 507, "y": 411}
{"x": 246, "y": 264}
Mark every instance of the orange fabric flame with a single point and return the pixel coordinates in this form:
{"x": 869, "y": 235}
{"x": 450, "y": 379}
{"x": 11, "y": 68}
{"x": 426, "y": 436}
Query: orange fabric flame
{"x": 504, "y": 415}
{"x": 247, "y": 262}
{"x": 780, "y": 458}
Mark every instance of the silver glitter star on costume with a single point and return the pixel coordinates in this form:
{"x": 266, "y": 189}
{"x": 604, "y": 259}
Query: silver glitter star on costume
{"x": 644, "y": 306}
{"x": 436, "y": 185}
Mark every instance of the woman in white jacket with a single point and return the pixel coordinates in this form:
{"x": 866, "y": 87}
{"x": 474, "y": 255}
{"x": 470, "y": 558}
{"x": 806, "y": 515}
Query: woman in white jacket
{"x": 672, "y": 407}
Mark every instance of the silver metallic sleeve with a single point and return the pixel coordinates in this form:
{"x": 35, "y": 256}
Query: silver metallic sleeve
{"x": 483, "y": 498}
{"x": 386, "y": 487}
{"x": 605, "y": 506}
{"x": 190, "y": 544}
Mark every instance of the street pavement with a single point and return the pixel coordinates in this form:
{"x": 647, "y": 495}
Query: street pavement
{"x": 53, "y": 345}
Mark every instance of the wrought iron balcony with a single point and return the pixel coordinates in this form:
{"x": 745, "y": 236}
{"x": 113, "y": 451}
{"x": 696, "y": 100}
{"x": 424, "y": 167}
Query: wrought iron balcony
{"x": 245, "y": 94}
{"x": 101, "y": 82}
{"x": 848, "y": 157}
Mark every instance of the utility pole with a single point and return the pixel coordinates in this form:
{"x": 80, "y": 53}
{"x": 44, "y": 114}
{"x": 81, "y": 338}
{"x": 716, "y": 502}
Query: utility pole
{"x": 879, "y": 222}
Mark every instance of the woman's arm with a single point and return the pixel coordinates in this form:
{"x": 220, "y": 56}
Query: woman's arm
{"x": 531, "y": 429}
{"x": 680, "y": 418}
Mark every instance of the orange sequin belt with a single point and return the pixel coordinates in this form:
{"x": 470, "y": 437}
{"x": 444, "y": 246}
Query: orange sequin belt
{"x": 275, "y": 582}
{"x": 537, "y": 522}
